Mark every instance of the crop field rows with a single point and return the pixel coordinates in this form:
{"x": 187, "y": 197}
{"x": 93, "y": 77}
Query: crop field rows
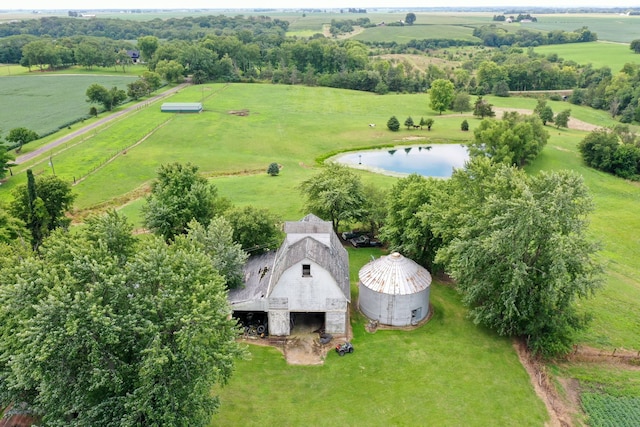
{"x": 43, "y": 102}
{"x": 605, "y": 410}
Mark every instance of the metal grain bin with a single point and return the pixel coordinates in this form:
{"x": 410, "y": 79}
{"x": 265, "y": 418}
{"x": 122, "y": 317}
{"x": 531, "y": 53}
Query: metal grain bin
{"x": 394, "y": 290}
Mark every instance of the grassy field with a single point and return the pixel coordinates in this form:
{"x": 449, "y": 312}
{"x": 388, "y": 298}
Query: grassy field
{"x": 599, "y": 54}
{"x": 407, "y": 33}
{"x": 441, "y": 374}
{"x": 43, "y": 102}
{"x": 295, "y": 126}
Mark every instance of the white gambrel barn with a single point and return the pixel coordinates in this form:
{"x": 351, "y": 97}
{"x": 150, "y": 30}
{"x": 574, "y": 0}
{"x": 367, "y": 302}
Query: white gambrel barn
{"x": 394, "y": 290}
{"x": 307, "y": 276}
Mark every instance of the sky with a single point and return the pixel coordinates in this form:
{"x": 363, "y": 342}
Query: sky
{"x": 298, "y": 4}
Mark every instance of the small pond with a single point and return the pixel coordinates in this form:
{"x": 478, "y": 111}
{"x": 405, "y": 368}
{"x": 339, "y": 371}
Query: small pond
{"x": 436, "y": 160}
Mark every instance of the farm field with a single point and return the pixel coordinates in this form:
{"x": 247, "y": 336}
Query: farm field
{"x": 296, "y": 127}
{"x": 45, "y": 102}
{"x": 407, "y": 33}
{"x": 599, "y": 54}
{"x": 609, "y": 27}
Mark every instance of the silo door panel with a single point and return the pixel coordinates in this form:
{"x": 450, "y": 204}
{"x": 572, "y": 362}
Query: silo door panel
{"x": 416, "y": 315}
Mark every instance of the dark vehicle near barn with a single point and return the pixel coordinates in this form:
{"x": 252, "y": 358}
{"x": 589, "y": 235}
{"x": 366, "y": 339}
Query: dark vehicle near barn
{"x": 344, "y": 348}
{"x": 365, "y": 242}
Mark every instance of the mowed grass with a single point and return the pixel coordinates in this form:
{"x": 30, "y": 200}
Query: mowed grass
{"x": 291, "y": 125}
{"x": 616, "y": 226}
{"x": 296, "y": 126}
{"x": 43, "y": 102}
{"x": 599, "y": 54}
{"x": 448, "y": 372}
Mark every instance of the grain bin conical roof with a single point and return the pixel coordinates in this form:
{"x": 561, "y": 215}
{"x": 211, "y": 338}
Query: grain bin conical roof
{"x": 395, "y": 275}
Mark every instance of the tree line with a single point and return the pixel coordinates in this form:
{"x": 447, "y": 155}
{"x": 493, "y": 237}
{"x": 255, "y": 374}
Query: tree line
{"x": 185, "y": 28}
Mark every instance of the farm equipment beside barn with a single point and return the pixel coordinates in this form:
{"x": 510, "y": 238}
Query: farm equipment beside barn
{"x": 344, "y": 348}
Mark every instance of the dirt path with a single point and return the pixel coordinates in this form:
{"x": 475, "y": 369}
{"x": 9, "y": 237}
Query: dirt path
{"x": 88, "y": 128}
{"x": 564, "y": 408}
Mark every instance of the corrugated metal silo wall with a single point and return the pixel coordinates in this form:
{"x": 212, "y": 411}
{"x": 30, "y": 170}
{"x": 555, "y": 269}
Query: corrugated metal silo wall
{"x": 394, "y": 310}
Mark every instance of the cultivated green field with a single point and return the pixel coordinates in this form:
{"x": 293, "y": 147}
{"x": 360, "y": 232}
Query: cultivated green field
{"x": 418, "y": 32}
{"x": 599, "y": 54}
{"x": 609, "y": 27}
{"x": 43, "y": 102}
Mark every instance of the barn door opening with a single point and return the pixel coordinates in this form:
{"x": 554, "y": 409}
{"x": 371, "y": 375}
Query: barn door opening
{"x": 303, "y": 323}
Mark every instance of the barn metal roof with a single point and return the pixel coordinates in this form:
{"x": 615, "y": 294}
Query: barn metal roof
{"x": 313, "y": 239}
{"x": 394, "y": 274}
{"x": 181, "y": 106}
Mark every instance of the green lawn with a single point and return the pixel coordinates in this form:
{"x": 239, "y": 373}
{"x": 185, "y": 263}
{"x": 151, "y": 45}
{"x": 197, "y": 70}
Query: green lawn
{"x": 447, "y": 373}
{"x": 444, "y": 364}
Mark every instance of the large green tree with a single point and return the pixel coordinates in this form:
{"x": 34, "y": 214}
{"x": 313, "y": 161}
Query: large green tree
{"x": 178, "y": 195}
{"x": 406, "y": 228}
{"x": 562, "y": 119}
{"x": 336, "y": 194}
{"x": 256, "y": 230}
{"x": 171, "y": 71}
{"x": 21, "y": 136}
{"x": 6, "y": 161}
{"x": 515, "y": 140}
{"x": 42, "y": 204}
{"x": 148, "y": 46}
{"x": 441, "y": 94}
{"x": 517, "y": 247}
{"x": 461, "y": 102}
{"x": 216, "y": 240}
{"x": 410, "y": 18}
{"x": 98, "y": 331}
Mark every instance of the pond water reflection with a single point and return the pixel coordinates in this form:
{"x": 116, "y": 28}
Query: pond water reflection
{"x": 437, "y": 160}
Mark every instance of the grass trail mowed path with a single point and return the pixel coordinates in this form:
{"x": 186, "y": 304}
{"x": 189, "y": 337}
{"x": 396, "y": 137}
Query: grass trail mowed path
{"x": 42, "y": 102}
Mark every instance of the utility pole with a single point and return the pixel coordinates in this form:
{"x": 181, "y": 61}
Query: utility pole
{"x": 51, "y": 164}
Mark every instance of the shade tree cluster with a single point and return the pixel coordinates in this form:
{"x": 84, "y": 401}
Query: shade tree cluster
{"x": 394, "y": 125}
{"x": 546, "y": 114}
{"x": 516, "y": 245}
{"x": 614, "y": 151}
{"x": 515, "y": 140}
{"x": 100, "y": 325}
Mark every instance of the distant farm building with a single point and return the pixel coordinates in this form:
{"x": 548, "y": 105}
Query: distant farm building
{"x": 305, "y": 281}
{"x": 394, "y": 290}
{"x": 181, "y": 107}
{"x": 134, "y": 55}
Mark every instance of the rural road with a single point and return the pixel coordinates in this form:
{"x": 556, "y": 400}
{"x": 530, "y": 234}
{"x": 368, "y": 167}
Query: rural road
{"x": 88, "y": 128}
